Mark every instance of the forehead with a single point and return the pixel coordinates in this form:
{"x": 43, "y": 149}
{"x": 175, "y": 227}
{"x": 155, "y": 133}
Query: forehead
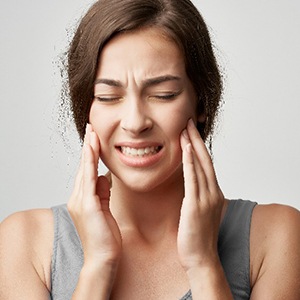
{"x": 147, "y": 52}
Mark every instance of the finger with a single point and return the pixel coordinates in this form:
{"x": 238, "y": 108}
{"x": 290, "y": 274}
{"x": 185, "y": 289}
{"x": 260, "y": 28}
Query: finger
{"x": 90, "y": 176}
{"x": 197, "y": 168}
{"x": 95, "y": 144}
{"x": 189, "y": 173}
{"x": 202, "y": 155}
{"x": 85, "y": 141}
{"x": 77, "y": 190}
{"x": 92, "y": 140}
{"x": 88, "y": 130}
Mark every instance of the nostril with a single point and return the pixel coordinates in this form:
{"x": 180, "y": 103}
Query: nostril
{"x": 136, "y": 127}
{"x": 145, "y": 129}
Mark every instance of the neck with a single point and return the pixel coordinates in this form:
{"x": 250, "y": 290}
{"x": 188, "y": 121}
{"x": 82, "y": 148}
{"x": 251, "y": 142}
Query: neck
{"x": 152, "y": 214}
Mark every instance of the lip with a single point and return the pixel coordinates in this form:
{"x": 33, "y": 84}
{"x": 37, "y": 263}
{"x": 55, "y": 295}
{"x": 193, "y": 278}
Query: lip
{"x": 142, "y": 161}
{"x": 138, "y": 144}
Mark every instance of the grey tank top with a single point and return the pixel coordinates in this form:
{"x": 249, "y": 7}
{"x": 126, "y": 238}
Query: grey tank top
{"x": 233, "y": 248}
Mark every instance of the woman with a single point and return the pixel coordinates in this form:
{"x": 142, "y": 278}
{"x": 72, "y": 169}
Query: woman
{"x": 145, "y": 91}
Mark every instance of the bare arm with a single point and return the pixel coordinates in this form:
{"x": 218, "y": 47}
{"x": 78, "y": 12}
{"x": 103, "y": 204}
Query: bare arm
{"x": 275, "y": 239}
{"x": 23, "y": 248}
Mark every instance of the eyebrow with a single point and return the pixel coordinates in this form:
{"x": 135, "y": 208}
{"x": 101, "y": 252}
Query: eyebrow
{"x": 160, "y": 79}
{"x": 109, "y": 82}
{"x": 145, "y": 83}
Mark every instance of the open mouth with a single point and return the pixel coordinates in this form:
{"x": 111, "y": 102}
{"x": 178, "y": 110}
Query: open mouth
{"x": 139, "y": 152}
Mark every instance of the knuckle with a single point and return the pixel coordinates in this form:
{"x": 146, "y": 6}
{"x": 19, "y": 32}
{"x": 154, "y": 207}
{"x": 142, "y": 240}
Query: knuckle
{"x": 192, "y": 179}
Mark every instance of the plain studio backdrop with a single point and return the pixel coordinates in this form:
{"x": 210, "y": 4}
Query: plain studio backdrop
{"x": 256, "y": 150}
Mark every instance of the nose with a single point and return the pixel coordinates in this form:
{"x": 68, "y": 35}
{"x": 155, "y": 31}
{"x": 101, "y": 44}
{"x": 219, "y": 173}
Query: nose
{"x": 136, "y": 119}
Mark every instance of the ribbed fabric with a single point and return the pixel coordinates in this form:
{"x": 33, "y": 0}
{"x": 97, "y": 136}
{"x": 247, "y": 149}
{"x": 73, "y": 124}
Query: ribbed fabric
{"x": 67, "y": 259}
{"x": 233, "y": 247}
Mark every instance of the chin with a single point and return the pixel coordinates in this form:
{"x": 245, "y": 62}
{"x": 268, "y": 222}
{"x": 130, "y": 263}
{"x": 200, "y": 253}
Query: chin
{"x": 143, "y": 182}
{"x": 137, "y": 182}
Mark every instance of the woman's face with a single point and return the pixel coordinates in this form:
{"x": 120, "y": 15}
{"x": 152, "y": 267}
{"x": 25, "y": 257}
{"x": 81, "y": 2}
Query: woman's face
{"x": 143, "y": 100}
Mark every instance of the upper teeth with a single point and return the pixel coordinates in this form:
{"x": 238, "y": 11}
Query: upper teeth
{"x": 139, "y": 151}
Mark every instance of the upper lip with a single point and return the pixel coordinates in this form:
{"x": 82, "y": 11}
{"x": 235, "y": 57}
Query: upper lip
{"x": 138, "y": 145}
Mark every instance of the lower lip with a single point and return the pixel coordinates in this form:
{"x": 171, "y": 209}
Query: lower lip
{"x": 140, "y": 161}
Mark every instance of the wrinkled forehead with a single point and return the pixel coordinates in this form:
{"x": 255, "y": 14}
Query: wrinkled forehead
{"x": 144, "y": 53}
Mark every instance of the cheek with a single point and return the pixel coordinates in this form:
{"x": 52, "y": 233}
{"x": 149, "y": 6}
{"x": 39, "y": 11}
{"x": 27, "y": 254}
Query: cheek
{"x": 174, "y": 127}
{"x": 101, "y": 123}
{"x": 180, "y": 117}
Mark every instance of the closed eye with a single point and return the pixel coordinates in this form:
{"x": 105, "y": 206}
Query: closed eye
{"x": 166, "y": 97}
{"x": 169, "y": 96}
{"x": 107, "y": 99}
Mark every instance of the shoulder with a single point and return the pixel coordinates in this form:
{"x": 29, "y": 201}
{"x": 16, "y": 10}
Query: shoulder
{"x": 274, "y": 250}
{"x": 27, "y": 218}
{"x": 27, "y": 227}
{"x": 26, "y": 246}
{"x": 275, "y": 223}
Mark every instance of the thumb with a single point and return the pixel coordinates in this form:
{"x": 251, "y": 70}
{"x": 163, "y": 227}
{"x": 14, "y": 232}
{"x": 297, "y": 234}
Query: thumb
{"x": 103, "y": 191}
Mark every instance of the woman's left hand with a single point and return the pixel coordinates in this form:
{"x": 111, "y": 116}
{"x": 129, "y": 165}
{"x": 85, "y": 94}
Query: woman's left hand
{"x": 202, "y": 204}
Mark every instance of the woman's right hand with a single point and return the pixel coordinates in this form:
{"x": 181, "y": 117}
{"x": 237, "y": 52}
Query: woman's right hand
{"x": 89, "y": 208}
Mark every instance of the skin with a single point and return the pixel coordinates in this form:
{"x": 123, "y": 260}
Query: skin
{"x": 136, "y": 112}
{"x": 163, "y": 218}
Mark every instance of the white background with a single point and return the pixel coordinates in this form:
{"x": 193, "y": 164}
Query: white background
{"x": 257, "y": 148}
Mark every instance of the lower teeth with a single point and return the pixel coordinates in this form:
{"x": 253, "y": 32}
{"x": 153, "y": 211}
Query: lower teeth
{"x": 137, "y": 154}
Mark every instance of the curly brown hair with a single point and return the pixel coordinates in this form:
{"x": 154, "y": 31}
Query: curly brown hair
{"x": 180, "y": 20}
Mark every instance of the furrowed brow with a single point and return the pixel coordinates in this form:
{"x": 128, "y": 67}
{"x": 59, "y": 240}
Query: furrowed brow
{"x": 146, "y": 83}
{"x": 110, "y": 82}
{"x": 160, "y": 79}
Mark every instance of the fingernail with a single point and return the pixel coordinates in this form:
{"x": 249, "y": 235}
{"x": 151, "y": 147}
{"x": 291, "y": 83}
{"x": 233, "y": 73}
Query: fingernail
{"x": 189, "y": 148}
{"x": 185, "y": 134}
{"x": 190, "y": 123}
